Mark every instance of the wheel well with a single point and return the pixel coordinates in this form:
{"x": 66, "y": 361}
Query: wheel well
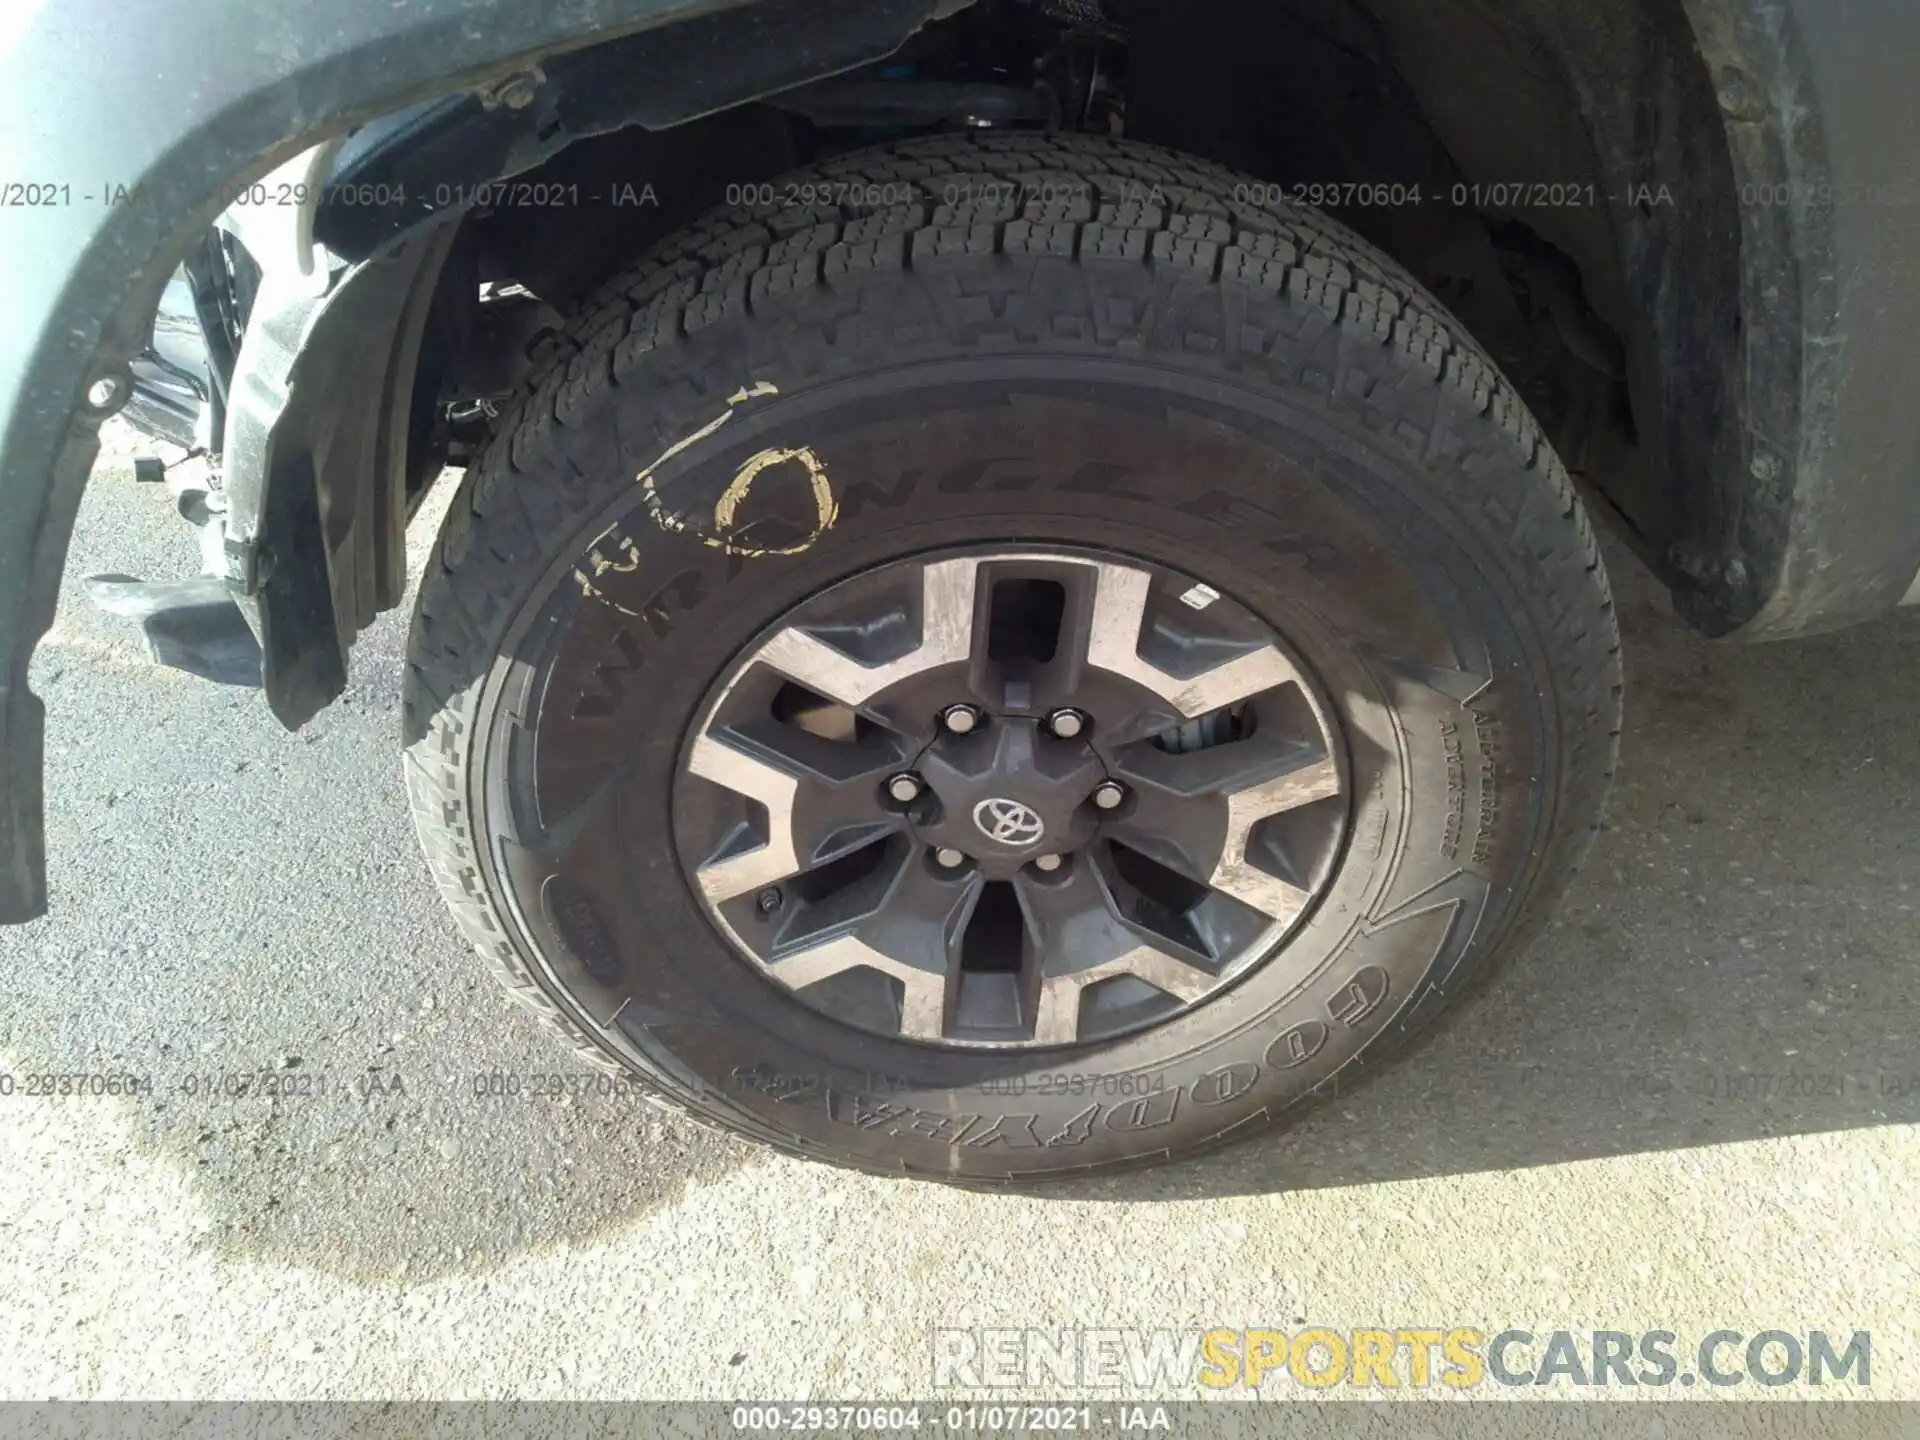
{"x": 1556, "y": 171}
{"x": 1576, "y": 201}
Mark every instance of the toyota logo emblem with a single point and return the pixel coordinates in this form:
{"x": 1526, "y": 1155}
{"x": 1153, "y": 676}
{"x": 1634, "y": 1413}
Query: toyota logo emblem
{"x": 1008, "y": 822}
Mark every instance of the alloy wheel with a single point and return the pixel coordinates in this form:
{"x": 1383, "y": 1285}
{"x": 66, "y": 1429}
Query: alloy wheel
{"x": 1012, "y": 798}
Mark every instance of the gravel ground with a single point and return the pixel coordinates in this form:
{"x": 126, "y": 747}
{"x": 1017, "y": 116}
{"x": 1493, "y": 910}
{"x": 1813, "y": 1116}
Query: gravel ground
{"x": 1691, "y": 1105}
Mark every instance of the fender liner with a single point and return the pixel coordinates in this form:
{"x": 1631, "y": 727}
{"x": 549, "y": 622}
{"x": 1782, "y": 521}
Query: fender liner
{"x": 317, "y": 462}
{"x": 317, "y": 446}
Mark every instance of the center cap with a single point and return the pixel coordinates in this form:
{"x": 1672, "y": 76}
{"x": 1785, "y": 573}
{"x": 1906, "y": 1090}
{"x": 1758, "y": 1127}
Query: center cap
{"x": 1006, "y": 793}
{"x": 1008, "y": 822}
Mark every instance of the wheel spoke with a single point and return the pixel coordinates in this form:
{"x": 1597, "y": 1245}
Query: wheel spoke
{"x": 913, "y": 937}
{"x": 1217, "y": 769}
{"x": 923, "y": 993}
{"x": 1175, "y": 831}
{"x": 1058, "y": 1019}
{"x": 814, "y": 813}
{"x": 1183, "y": 811}
{"x": 1081, "y": 940}
{"x": 1113, "y": 644}
{"x": 766, "y": 863}
{"x": 1236, "y": 874}
{"x": 946, "y": 637}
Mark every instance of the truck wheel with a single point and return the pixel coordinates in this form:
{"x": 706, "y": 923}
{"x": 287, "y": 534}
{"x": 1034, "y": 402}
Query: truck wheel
{"x": 1020, "y": 656}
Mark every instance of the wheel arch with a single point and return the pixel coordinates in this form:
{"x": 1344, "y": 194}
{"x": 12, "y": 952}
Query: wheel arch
{"x": 1670, "y": 110}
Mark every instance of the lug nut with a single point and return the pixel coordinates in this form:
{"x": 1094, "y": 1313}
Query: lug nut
{"x": 1067, "y": 724}
{"x": 961, "y": 719}
{"x": 1108, "y": 794}
{"x": 1048, "y": 863}
{"x": 948, "y": 857}
{"x": 904, "y": 787}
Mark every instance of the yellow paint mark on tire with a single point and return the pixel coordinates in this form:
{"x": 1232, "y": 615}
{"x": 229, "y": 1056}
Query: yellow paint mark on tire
{"x": 826, "y": 508}
{"x": 599, "y": 564}
{"x": 725, "y": 512}
{"x": 739, "y": 397}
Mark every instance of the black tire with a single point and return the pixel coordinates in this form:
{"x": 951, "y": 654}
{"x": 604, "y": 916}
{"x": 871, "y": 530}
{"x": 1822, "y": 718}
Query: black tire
{"x": 1038, "y": 339}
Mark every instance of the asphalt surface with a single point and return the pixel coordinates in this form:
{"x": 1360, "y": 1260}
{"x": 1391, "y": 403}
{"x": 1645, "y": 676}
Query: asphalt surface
{"x": 1689, "y": 1107}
